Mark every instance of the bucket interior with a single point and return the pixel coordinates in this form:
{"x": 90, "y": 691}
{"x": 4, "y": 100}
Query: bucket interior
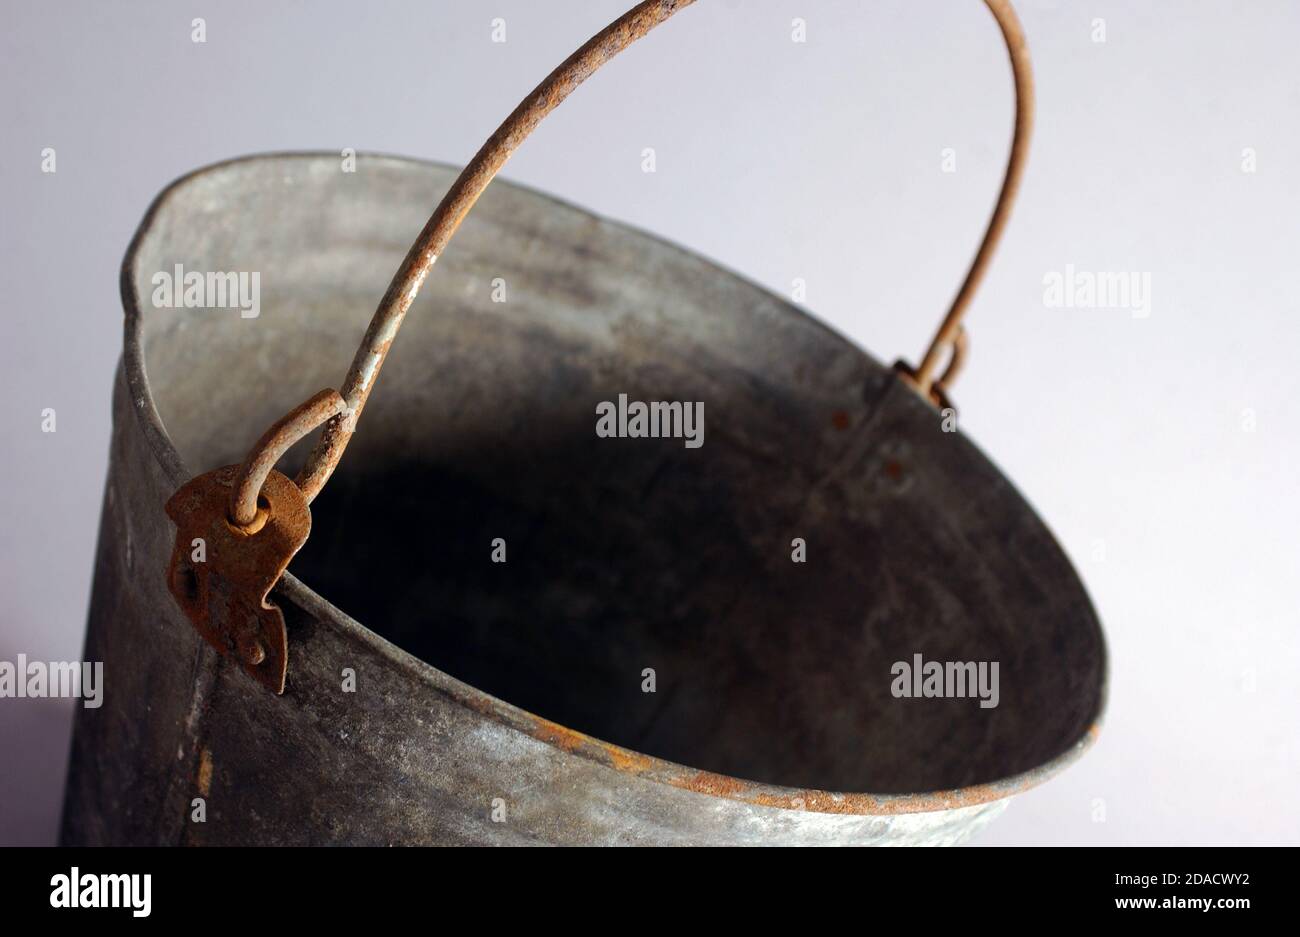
{"x": 625, "y": 555}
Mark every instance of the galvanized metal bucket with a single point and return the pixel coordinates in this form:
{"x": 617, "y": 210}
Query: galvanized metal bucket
{"x": 507, "y": 629}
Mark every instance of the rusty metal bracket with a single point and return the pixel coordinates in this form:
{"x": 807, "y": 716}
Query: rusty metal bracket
{"x": 220, "y": 572}
{"x": 237, "y": 527}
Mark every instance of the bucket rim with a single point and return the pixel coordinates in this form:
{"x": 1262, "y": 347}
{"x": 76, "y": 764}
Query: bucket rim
{"x": 623, "y": 760}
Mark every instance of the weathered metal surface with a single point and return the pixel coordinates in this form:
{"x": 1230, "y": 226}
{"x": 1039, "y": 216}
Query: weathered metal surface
{"x": 503, "y": 703}
{"x": 220, "y": 573}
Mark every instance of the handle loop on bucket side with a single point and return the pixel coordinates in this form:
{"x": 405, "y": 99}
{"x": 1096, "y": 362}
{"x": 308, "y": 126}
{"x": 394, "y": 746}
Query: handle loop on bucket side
{"x": 274, "y": 443}
{"x": 471, "y": 183}
{"x": 951, "y": 335}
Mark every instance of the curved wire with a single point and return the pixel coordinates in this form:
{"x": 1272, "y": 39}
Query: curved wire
{"x": 471, "y": 183}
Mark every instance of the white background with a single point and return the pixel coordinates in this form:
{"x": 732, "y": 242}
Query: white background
{"x": 780, "y": 160}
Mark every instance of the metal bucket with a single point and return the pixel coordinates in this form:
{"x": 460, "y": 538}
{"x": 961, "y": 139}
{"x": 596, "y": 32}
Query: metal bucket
{"x": 508, "y": 702}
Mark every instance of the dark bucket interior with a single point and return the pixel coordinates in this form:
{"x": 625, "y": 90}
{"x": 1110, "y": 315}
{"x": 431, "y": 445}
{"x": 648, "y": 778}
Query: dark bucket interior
{"x": 625, "y": 555}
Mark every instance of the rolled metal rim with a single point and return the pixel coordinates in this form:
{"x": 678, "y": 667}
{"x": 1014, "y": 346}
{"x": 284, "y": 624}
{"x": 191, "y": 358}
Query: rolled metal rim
{"x": 567, "y": 740}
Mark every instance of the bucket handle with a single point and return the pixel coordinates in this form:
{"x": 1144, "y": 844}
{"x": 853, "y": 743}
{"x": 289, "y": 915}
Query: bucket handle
{"x": 340, "y": 410}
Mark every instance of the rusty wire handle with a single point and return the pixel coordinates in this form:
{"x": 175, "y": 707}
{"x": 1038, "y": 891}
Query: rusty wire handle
{"x": 274, "y": 443}
{"x": 465, "y": 191}
{"x": 951, "y": 335}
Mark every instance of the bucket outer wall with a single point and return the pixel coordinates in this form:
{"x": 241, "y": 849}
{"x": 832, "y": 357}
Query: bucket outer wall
{"x": 413, "y": 756}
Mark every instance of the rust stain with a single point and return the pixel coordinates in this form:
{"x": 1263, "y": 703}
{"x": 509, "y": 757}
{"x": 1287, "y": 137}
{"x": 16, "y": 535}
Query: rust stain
{"x": 820, "y": 802}
{"x": 719, "y": 785}
{"x": 631, "y": 762}
{"x": 627, "y": 760}
{"x": 561, "y": 737}
{"x": 806, "y": 800}
{"x": 570, "y": 740}
{"x": 840, "y": 420}
{"x": 205, "y": 771}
